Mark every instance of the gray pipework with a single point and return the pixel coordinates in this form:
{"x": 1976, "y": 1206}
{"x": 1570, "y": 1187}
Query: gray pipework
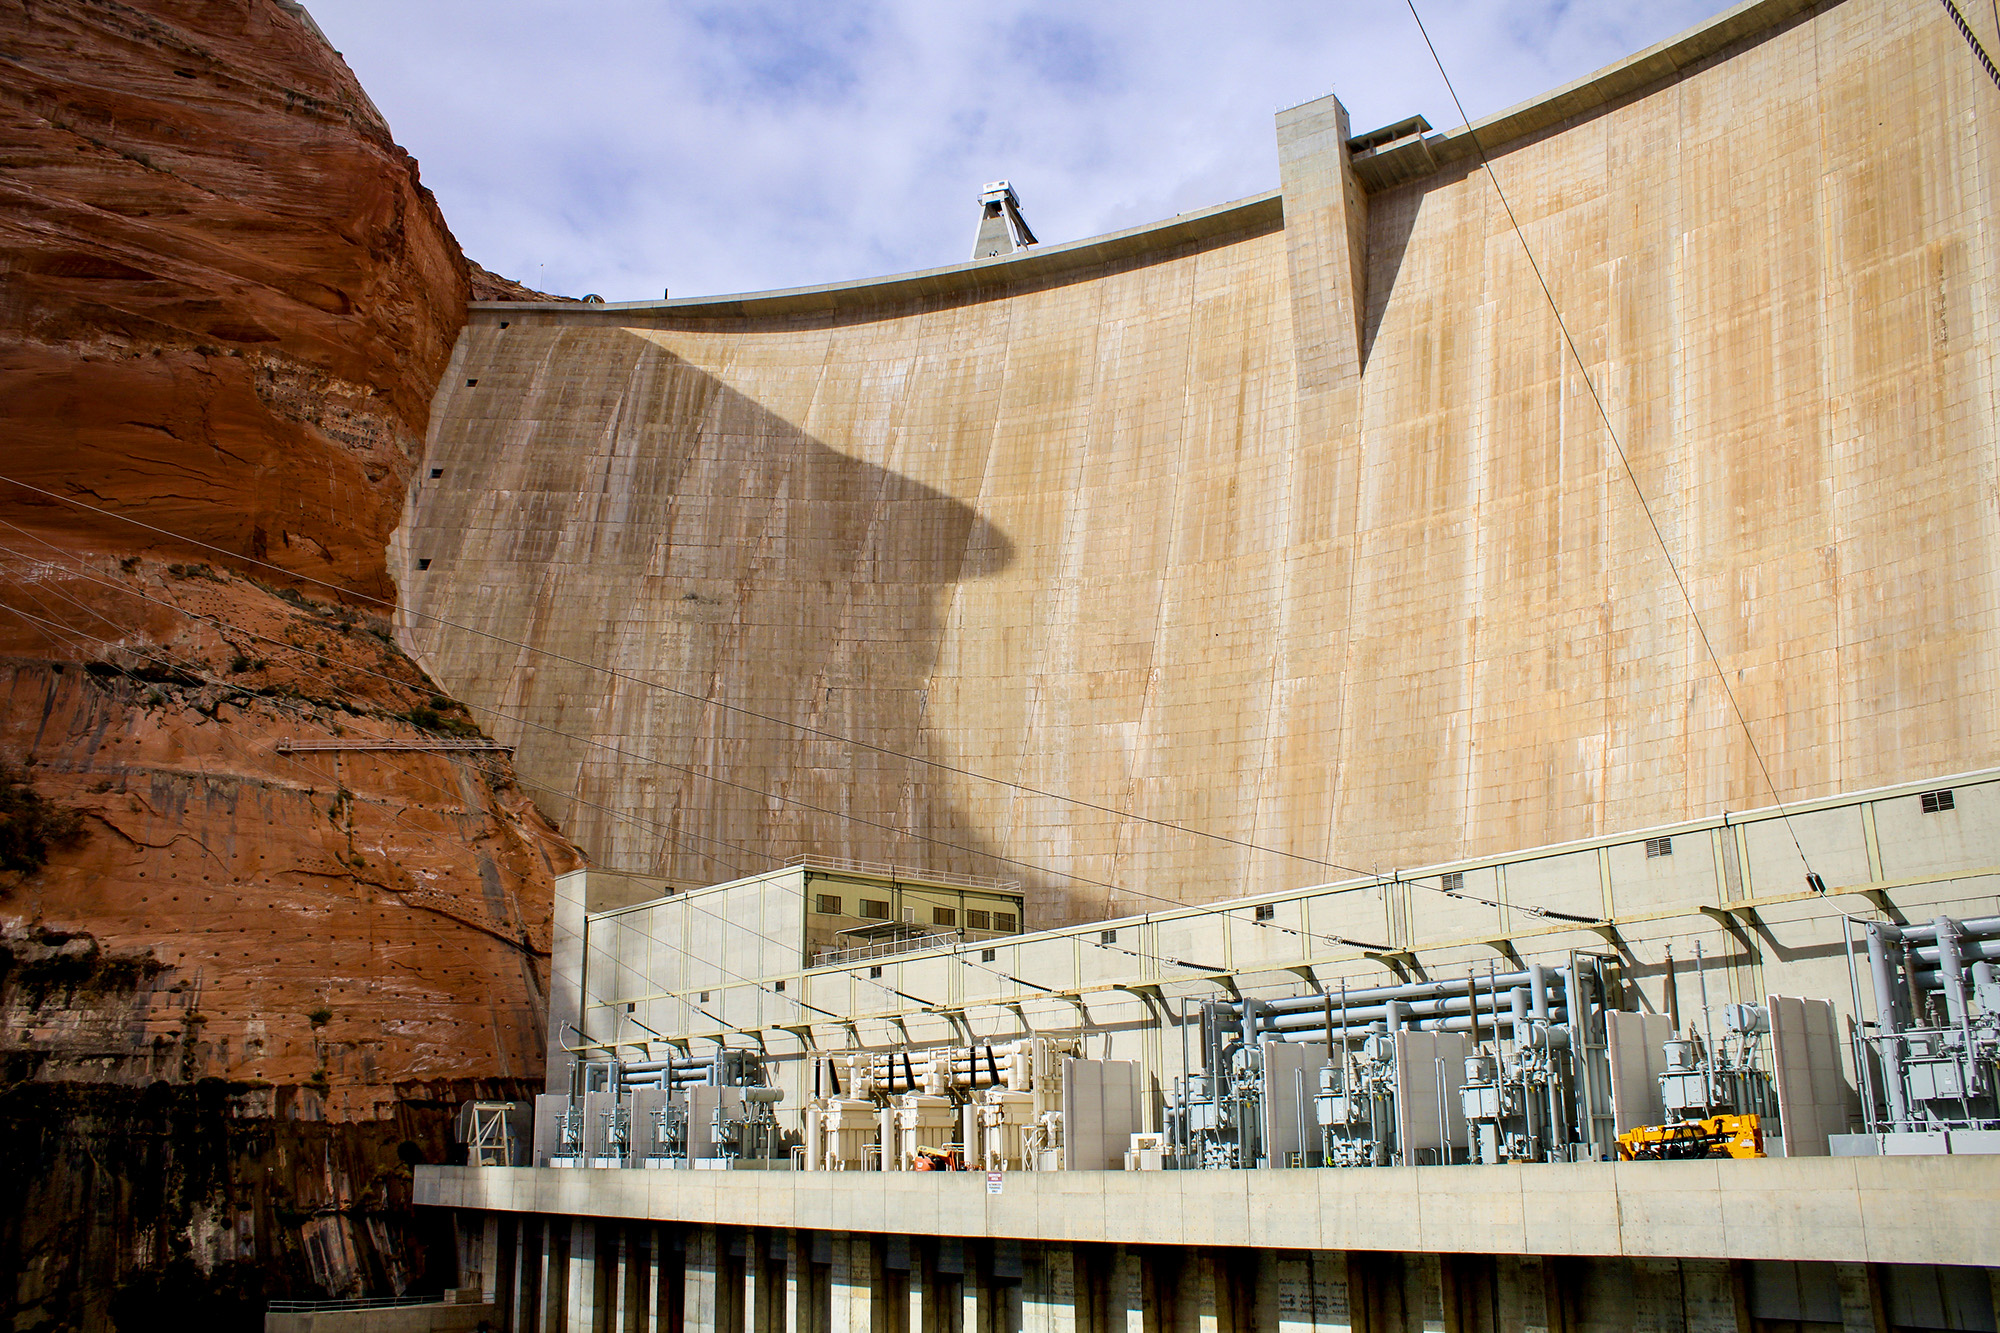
{"x": 1538, "y": 991}
{"x": 1980, "y": 927}
{"x": 1888, "y": 1015}
{"x": 1414, "y": 990}
{"x": 1928, "y": 957}
{"x": 1882, "y": 971}
{"x": 1952, "y": 967}
{"x": 1252, "y": 1011}
{"x": 1448, "y": 1023}
{"x": 1411, "y": 1010}
{"x": 655, "y": 1066}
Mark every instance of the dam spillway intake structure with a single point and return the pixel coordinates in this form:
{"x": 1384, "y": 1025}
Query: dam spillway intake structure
{"x": 1464, "y": 875}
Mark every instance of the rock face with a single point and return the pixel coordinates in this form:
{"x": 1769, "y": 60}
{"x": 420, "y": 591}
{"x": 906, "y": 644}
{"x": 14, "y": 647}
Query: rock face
{"x": 225, "y": 299}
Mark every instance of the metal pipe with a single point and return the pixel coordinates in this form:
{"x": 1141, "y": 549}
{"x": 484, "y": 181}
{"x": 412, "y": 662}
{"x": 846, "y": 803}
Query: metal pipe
{"x": 1856, "y": 1047}
{"x": 1452, "y": 1023}
{"x": 1975, "y": 928}
{"x": 654, "y": 1066}
{"x": 1952, "y": 966}
{"x": 1929, "y": 957}
{"x": 1252, "y": 1010}
{"x": 1673, "y": 995}
{"x": 1414, "y": 990}
{"x": 1881, "y": 971}
{"x": 1910, "y": 983}
{"x": 1707, "y": 1016}
{"x": 1411, "y": 1010}
{"x": 1538, "y": 991}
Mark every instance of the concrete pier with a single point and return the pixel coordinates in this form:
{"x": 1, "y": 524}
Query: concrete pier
{"x": 1820, "y": 1245}
{"x": 989, "y": 1286}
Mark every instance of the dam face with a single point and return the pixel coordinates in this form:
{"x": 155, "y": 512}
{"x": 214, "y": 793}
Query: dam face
{"x": 1292, "y": 521}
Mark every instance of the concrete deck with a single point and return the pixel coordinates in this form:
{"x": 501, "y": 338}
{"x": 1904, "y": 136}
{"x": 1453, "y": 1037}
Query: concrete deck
{"x": 1909, "y": 1210}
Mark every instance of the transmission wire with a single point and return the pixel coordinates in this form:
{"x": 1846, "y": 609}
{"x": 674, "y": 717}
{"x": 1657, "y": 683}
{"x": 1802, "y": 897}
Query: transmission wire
{"x": 1812, "y": 879}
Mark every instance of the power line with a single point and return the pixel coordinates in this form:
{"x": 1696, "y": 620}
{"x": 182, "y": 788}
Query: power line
{"x": 198, "y": 668}
{"x": 1972, "y": 40}
{"x": 1548, "y": 913}
{"x": 959, "y": 953}
{"x": 1612, "y": 433}
{"x": 708, "y": 701}
{"x": 700, "y": 775}
{"x": 223, "y": 628}
{"x": 336, "y": 688}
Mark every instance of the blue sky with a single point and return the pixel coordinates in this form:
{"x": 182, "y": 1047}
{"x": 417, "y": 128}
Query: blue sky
{"x": 623, "y": 147}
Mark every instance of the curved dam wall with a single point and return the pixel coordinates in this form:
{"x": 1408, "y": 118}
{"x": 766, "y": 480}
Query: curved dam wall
{"x": 1291, "y": 521}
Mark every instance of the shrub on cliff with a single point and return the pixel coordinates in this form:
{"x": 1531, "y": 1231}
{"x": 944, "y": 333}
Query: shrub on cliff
{"x": 31, "y": 825}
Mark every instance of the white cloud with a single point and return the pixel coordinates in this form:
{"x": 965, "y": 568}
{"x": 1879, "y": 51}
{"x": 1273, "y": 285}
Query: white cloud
{"x": 621, "y": 146}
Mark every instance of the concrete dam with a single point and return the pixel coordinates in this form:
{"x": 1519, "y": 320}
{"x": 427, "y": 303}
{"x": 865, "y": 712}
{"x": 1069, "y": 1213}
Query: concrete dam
{"x": 1414, "y": 752}
{"x": 1292, "y": 520}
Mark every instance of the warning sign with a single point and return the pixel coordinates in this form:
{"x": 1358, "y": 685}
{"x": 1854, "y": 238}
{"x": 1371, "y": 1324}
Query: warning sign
{"x": 993, "y": 1182}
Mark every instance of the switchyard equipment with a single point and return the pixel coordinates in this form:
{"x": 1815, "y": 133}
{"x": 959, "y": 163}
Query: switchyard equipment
{"x": 1705, "y": 1077}
{"x": 745, "y": 1129}
{"x": 997, "y": 1107}
{"x": 681, "y": 1112}
{"x": 1486, "y": 1069}
{"x": 1933, "y": 1061}
{"x": 1002, "y": 1106}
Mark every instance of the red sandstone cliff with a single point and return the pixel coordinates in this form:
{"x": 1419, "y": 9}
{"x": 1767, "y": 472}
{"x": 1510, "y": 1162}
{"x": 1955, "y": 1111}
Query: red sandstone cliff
{"x": 225, "y": 300}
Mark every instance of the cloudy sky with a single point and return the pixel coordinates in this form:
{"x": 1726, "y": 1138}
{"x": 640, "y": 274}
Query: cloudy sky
{"x": 628, "y": 146}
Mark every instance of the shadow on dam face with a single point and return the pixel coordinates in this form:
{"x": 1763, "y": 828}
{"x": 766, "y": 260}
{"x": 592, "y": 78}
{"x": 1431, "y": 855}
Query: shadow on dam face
{"x": 629, "y": 509}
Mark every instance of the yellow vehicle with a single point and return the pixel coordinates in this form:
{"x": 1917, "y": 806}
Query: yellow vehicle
{"x": 1717, "y": 1136}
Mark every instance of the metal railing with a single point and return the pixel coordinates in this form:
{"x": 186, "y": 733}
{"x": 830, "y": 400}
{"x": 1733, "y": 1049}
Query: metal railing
{"x": 885, "y": 870}
{"x": 358, "y": 1303}
{"x": 858, "y": 953}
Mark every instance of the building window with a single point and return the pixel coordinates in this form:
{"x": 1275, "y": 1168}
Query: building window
{"x": 424, "y": 563}
{"x": 1003, "y": 921}
{"x": 944, "y": 916}
{"x": 1936, "y": 801}
{"x": 873, "y": 909}
{"x": 874, "y": 974}
{"x": 827, "y": 904}
{"x": 631, "y": 1007}
{"x": 1659, "y": 847}
{"x": 704, "y": 998}
{"x": 988, "y": 955}
{"x": 779, "y": 987}
{"x": 436, "y": 472}
{"x": 1454, "y": 881}
{"x": 1107, "y": 937}
{"x": 979, "y": 920}
{"x": 470, "y": 383}
{"x": 1265, "y": 911}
